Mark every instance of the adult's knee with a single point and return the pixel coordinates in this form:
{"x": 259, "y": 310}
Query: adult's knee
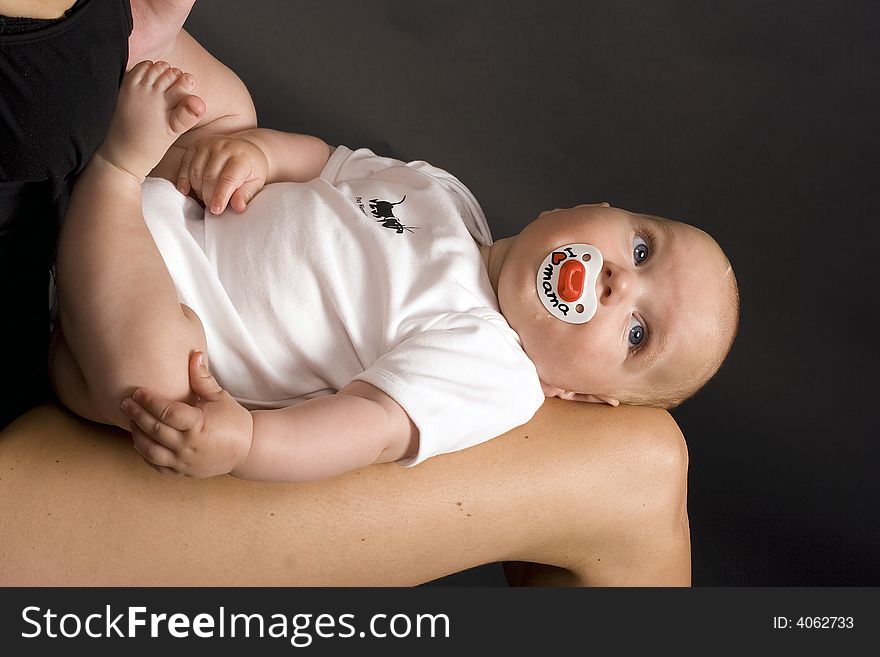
{"x": 625, "y": 488}
{"x": 648, "y": 538}
{"x": 658, "y": 456}
{"x": 664, "y": 451}
{"x": 634, "y": 471}
{"x": 658, "y": 530}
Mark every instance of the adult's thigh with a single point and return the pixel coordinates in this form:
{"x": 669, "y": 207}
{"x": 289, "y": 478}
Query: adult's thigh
{"x": 80, "y": 507}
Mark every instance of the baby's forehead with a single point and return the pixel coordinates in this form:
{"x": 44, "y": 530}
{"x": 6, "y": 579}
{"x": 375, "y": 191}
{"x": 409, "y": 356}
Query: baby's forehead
{"x": 691, "y": 239}
{"x": 703, "y": 320}
{"x": 673, "y": 225}
{"x": 671, "y": 228}
{"x": 692, "y": 357}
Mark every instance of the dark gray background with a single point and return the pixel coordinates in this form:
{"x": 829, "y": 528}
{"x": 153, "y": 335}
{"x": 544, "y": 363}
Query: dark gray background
{"x": 755, "y": 121}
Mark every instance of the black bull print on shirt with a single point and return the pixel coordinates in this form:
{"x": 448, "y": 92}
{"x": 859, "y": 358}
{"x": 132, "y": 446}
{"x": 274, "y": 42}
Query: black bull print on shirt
{"x": 384, "y": 212}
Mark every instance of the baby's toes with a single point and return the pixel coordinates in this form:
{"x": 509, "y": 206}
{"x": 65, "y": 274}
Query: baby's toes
{"x": 152, "y": 74}
{"x": 167, "y": 79}
{"x": 180, "y": 88}
{"x": 137, "y": 72}
{"x": 186, "y": 113}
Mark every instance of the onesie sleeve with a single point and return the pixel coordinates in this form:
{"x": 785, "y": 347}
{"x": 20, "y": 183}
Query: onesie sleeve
{"x": 346, "y": 165}
{"x": 462, "y": 382}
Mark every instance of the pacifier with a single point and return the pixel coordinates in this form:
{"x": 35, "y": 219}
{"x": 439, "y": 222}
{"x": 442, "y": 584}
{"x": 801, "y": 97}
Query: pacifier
{"x": 566, "y": 282}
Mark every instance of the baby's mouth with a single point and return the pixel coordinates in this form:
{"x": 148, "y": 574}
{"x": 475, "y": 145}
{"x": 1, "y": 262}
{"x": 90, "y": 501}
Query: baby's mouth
{"x": 566, "y": 282}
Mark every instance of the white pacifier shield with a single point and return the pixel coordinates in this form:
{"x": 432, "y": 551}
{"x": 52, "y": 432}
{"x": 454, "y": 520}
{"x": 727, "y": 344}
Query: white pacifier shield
{"x": 566, "y": 282}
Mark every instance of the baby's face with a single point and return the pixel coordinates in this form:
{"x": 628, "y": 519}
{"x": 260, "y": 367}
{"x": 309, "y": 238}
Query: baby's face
{"x": 658, "y": 294}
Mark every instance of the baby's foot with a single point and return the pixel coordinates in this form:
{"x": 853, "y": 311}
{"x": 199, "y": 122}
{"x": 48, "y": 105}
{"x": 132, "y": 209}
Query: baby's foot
{"x": 153, "y": 109}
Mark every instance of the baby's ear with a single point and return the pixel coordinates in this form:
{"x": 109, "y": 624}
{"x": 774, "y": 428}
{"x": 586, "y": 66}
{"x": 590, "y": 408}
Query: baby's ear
{"x": 550, "y": 391}
{"x": 593, "y": 399}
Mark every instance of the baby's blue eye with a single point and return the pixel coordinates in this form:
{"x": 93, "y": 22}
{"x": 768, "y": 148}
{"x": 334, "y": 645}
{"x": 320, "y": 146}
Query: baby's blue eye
{"x": 641, "y": 250}
{"x": 636, "y": 332}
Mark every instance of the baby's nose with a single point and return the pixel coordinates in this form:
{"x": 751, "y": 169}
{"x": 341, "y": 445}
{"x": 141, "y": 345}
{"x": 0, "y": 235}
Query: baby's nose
{"x": 614, "y": 286}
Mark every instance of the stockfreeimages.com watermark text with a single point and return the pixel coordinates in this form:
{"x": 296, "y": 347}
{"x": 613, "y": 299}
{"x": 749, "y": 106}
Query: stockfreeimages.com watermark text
{"x": 300, "y": 629}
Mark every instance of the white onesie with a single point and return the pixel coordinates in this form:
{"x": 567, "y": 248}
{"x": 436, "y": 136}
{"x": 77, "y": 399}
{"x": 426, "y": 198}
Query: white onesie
{"x": 370, "y": 272}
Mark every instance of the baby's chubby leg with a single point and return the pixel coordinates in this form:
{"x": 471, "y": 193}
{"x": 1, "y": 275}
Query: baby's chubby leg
{"x": 153, "y": 109}
{"x": 122, "y": 323}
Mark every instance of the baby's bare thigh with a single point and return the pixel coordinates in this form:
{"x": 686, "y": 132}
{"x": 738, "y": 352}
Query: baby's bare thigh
{"x": 163, "y": 368}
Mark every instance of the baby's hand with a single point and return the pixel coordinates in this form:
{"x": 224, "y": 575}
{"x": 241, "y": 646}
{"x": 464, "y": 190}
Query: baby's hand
{"x": 209, "y": 438}
{"x": 223, "y": 171}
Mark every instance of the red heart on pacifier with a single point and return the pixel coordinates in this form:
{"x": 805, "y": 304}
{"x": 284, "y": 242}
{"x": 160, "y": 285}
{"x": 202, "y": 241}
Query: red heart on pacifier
{"x": 558, "y": 256}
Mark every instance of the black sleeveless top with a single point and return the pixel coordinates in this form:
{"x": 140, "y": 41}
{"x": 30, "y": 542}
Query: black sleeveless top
{"x": 58, "y": 83}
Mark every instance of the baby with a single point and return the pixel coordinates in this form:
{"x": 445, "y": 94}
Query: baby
{"x": 358, "y": 311}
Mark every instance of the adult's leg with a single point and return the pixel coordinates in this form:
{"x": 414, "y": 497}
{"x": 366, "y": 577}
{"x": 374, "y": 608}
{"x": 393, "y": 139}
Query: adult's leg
{"x": 597, "y": 494}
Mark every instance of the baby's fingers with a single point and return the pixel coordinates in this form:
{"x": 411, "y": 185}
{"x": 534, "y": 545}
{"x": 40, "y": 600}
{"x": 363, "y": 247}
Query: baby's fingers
{"x": 151, "y": 426}
{"x": 220, "y": 190}
{"x": 162, "y": 469}
{"x": 183, "y": 182}
{"x": 154, "y": 409}
{"x": 155, "y": 454}
{"x": 244, "y": 194}
{"x": 192, "y": 169}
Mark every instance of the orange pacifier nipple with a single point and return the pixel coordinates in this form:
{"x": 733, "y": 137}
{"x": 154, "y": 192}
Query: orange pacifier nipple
{"x": 570, "y": 285}
{"x": 566, "y": 282}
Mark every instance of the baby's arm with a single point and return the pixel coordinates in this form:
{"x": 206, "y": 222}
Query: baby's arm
{"x": 292, "y": 157}
{"x": 315, "y": 439}
{"x": 323, "y": 437}
{"x": 232, "y": 169}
